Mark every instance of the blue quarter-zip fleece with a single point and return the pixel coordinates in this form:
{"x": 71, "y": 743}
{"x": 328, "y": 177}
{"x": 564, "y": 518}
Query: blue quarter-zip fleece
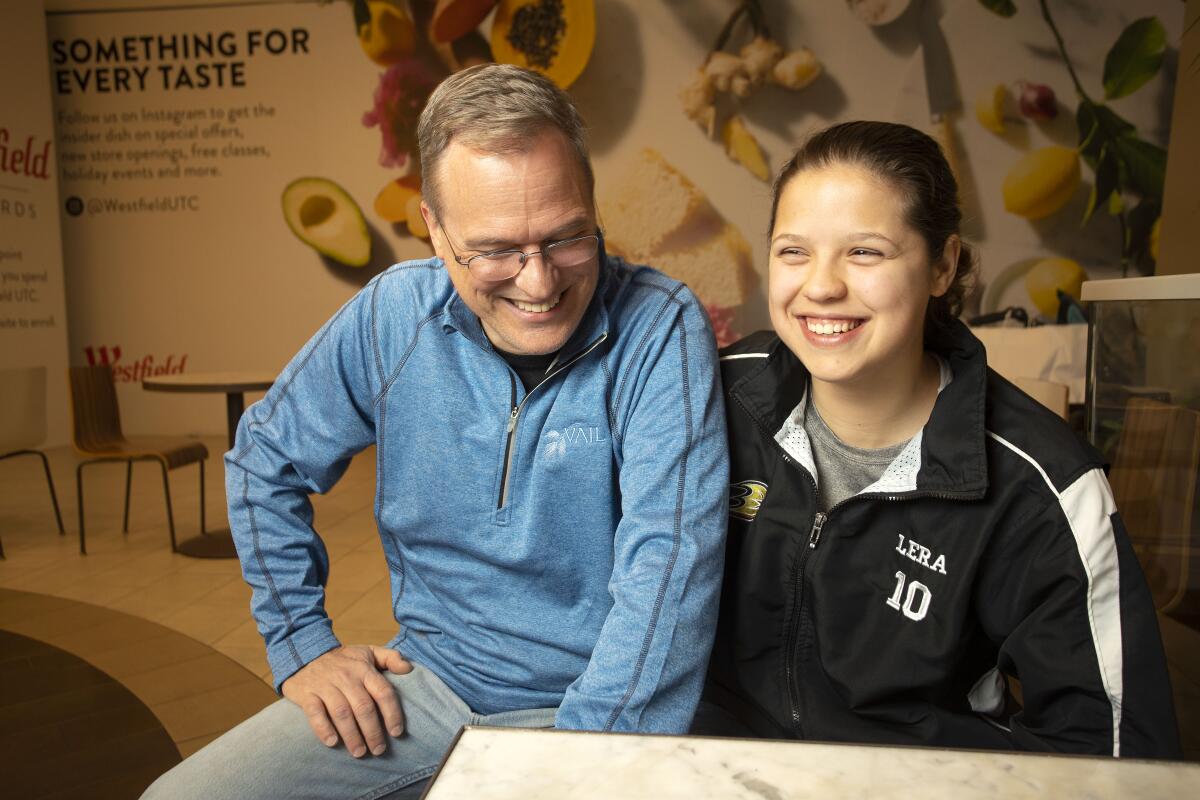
{"x": 558, "y": 548}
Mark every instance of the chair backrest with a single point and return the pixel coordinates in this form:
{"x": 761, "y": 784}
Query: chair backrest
{"x": 1052, "y": 395}
{"x": 1153, "y": 479}
{"x": 22, "y": 408}
{"x": 97, "y": 418}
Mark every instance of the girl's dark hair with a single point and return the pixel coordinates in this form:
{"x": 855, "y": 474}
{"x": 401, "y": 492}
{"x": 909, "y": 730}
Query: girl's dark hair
{"x": 912, "y": 162}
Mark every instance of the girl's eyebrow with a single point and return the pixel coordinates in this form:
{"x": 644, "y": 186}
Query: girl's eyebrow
{"x": 789, "y": 237}
{"x": 864, "y": 235}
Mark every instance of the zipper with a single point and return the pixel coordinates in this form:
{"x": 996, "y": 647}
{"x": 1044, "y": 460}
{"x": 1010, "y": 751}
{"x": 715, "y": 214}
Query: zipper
{"x": 515, "y": 414}
{"x": 814, "y": 535}
{"x": 508, "y": 444}
{"x": 789, "y": 667}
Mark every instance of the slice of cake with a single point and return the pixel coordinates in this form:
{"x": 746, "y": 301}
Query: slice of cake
{"x": 717, "y": 270}
{"x": 655, "y": 207}
{"x": 654, "y": 215}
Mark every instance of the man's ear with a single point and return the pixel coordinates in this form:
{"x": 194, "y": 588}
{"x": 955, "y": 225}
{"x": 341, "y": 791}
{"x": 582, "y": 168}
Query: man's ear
{"x": 946, "y": 267}
{"x": 437, "y": 237}
{"x": 430, "y": 219}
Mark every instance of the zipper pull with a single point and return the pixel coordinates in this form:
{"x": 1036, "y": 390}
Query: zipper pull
{"x": 512, "y": 419}
{"x": 815, "y": 535}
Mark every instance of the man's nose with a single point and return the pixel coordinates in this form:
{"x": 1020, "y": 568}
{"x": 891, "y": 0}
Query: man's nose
{"x": 538, "y": 277}
{"x": 824, "y": 281}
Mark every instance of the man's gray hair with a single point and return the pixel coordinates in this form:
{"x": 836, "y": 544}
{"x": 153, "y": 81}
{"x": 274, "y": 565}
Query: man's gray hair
{"x": 495, "y": 108}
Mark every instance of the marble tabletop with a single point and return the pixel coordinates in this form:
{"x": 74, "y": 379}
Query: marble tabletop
{"x": 496, "y": 763}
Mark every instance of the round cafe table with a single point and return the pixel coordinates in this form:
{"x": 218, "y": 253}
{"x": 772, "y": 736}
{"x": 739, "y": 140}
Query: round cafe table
{"x": 234, "y": 385}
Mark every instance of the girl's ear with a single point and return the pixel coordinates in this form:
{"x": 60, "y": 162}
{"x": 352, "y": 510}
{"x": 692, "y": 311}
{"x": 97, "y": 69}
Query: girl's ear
{"x": 946, "y": 267}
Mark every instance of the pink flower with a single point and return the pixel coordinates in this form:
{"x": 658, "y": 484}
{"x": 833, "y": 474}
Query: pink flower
{"x": 399, "y": 98}
{"x": 722, "y": 322}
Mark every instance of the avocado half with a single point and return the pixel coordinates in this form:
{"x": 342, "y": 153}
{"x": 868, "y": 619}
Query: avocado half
{"x": 326, "y": 218}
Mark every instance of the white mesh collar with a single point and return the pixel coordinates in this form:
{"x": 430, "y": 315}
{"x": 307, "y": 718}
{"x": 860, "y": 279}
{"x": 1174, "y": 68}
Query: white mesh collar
{"x": 900, "y": 475}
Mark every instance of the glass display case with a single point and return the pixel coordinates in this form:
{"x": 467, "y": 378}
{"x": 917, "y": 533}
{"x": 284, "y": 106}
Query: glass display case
{"x": 1143, "y": 414}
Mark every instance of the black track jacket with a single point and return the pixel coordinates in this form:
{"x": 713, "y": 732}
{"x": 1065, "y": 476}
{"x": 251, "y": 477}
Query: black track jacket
{"x": 991, "y": 547}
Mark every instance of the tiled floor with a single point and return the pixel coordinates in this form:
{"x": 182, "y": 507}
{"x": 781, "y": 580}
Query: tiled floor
{"x": 181, "y": 678}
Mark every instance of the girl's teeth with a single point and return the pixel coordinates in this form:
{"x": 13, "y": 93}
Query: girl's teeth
{"x": 830, "y": 328}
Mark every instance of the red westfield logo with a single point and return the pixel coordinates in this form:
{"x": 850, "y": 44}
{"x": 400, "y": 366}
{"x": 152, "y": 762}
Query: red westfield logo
{"x": 145, "y": 367}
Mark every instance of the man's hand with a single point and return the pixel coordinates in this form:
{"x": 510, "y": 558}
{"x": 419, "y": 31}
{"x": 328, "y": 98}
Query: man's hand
{"x": 343, "y": 693}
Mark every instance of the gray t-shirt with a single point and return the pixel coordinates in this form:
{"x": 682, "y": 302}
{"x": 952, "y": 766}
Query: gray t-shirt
{"x": 843, "y": 471}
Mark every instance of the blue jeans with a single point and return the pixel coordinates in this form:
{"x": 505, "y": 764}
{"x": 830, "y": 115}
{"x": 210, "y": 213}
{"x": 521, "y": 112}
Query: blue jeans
{"x": 275, "y": 754}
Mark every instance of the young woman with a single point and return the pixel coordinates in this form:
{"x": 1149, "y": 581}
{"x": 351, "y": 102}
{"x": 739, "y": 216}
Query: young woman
{"x": 909, "y": 533}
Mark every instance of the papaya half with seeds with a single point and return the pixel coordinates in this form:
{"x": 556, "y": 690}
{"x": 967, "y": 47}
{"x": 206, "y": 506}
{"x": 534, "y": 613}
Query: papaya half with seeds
{"x": 553, "y": 37}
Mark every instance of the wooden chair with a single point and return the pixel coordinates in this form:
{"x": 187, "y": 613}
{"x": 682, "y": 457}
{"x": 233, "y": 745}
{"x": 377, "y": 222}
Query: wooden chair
{"x": 23, "y": 422}
{"x": 98, "y": 437}
{"x": 1153, "y": 479}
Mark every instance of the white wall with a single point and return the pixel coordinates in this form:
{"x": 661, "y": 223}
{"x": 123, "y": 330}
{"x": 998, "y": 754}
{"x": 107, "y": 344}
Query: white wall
{"x": 33, "y": 316}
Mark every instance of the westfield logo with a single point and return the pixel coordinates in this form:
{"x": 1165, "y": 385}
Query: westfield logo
{"x": 132, "y": 372}
{"x": 29, "y": 157}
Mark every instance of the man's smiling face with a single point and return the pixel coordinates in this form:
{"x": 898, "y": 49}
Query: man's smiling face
{"x": 523, "y": 200}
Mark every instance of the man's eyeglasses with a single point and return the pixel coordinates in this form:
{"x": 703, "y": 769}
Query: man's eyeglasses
{"x": 500, "y": 265}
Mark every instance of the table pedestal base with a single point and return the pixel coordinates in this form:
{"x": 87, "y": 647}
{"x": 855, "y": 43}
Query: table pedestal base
{"x": 212, "y": 544}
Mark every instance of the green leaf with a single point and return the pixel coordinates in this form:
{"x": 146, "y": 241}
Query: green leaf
{"x": 1145, "y": 166}
{"x": 1005, "y": 8}
{"x": 362, "y": 15}
{"x": 1135, "y": 58}
{"x": 1091, "y": 140}
{"x": 1137, "y": 233}
{"x": 1104, "y": 187}
{"x": 1098, "y": 126}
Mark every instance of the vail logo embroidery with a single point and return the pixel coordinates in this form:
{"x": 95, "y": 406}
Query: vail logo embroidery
{"x": 555, "y": 443}
{"x": 745, "y": 498}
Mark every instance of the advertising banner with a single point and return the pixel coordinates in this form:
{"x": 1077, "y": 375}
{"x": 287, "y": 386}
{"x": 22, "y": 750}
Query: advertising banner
{"x": 231, "y": 174}
{"x": 33, "y": 318}
{"x": 180, "y": 130}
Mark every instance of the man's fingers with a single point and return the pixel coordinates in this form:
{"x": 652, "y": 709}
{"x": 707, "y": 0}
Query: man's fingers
{"x": 387, "y": 702}
{"x": 389, "y": 659}
{"x": 318, "y": 720}
{"x": 343, "y": 695}
{"x": 366, "y": 717}
{"x": 345, "y": 718}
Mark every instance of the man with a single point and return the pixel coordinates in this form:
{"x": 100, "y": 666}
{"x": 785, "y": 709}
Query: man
{"x": 551, "y": 477}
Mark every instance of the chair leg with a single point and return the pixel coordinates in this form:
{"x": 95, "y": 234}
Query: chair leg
{"x": 79, "y": 502}
{"x": 53, "y": 494}
{"x": 128, "y": 482}
{"x": 203, "y": 529}
{"x": 2, "y": 550}
{"x": 170, "y": 516}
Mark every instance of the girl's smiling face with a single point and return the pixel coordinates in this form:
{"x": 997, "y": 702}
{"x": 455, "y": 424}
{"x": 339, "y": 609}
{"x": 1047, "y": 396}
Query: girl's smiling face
{"x": 850, "y": 278}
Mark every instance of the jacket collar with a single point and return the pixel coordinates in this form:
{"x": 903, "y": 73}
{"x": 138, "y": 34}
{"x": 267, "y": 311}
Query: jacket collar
{"x": 458, "y": 317}
{"x": 953, "y": 457}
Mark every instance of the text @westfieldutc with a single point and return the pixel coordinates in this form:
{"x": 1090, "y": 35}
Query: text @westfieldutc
{"x": 157, "y": 204}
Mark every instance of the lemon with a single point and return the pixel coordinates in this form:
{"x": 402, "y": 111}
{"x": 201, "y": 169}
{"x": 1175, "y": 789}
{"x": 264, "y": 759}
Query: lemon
{"x": 389, "y": 36}
{"x": 1049, "y": 275}
{"x": 989, "y": 108}
{"x": 1041, "y": 182}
